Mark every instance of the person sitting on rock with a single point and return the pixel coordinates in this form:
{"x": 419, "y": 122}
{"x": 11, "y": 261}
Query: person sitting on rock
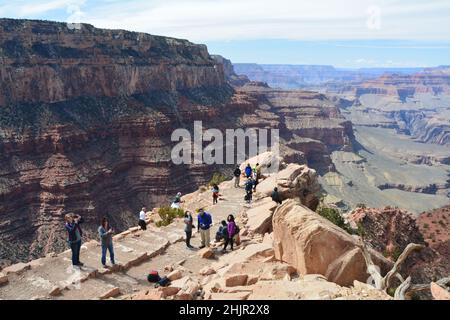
{"x": 142, "y": 222}
{"x": 231, "y": 232}
{"x": 276, "y": 196}
{"x": 105, "y": 232}
{"x": 74, "y": 236}
{"x": 248, "y": 171}
{"x": 204, "y": 225}
{"x": 177, "y": 201}
{"x": 215, "y": 193}
{"x": 237, "y": 176}
{"x": 222, "y": 231}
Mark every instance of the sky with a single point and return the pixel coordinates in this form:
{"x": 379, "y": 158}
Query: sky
{"x": 343, "y": 33}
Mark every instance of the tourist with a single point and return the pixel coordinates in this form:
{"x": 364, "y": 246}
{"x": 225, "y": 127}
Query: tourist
{"x": 231, "y": 232}
{"x": 237, "y": 176}
{"x": 249, "y": 190}
{"x": 176, "y": 204}
{"x": 215, "y": 193}
{"x": 204, "y": 224}
{"x": 142, "y": 222}
{"x": 220, "y": 234}
{"x": 188, "y": 225}
{"x": 255, "y": 171}
{"x": 276, "y": 196}
{"x": 105, "y": 232}
{"x": 248, "y": 171}
{"x": 74, "y": 236}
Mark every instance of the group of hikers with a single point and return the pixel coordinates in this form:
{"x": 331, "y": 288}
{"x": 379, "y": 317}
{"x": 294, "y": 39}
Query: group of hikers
{"x": 228, "y": 231}
{"x": 252, "y": 175}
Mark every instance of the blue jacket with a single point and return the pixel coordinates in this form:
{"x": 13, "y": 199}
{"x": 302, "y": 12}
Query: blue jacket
{"x": 205, "y": 221}
{"x": 248, "y": 171}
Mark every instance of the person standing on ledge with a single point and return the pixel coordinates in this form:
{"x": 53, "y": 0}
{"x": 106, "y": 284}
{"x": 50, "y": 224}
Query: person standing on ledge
{"x": 215, "y": 193}
{"x": 142, "y": 222}
{"x": 105, "y": 232}
{"x": 74, "y": 236}
{"x": 204, "y": 225}
{"x": 231, "y": 232}
{"x": 237, "y": 176}
{"x": 188, "y": 225}
{"x": 276, "y": 196}
{"x": 248, "y": 171}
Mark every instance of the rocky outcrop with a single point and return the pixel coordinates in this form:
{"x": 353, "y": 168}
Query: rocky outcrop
{"x": 390, "y": 230}
{"x": 58, "y": 63}
{"x": 86, "y": 117}
{"x": 231, "y": 76}
{"x": 310, "y": 125}
{"x": 313, "y": 245}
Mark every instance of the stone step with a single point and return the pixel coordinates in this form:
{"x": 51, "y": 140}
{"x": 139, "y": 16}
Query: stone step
{"x": 94, "y": 288}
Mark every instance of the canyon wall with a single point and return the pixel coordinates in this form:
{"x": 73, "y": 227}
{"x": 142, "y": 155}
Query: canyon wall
{"x": 86, "y": 117}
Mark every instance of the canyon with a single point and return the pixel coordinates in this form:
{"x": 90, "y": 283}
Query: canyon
{"x": 86, "y": 117}
{"x": 408, "y": 108}
{"x": 267, "y": 264}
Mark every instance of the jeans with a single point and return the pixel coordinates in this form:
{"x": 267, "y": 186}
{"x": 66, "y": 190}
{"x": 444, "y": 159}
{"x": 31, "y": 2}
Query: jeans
{"x": 75, "y": 247}
{"x": 188, "y": 238}
{"x": 108, "y": 247}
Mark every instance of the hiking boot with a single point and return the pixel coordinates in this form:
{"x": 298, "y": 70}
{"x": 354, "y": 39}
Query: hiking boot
{"x": 80, "y": 264}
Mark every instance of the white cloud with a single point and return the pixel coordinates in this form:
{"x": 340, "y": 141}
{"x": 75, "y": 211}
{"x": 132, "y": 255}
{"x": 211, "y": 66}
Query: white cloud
{"x": 206, "y": 20}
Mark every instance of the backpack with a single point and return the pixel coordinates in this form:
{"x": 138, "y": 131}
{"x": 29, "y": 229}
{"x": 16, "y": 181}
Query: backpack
{"x": 237, "y": 230}
{"x": 153, "y": 276}
{"x": 247, "y": 197}
{"x": 163, "y": 282}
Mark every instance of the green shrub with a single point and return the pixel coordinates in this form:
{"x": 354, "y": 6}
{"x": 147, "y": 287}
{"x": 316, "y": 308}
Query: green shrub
{"x": 335, "y": 217}
{"x": 167, "y": 215}
{"x": 217, "y": 178}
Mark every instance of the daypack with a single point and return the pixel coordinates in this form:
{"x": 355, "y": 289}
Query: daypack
{"x": 153, "y": 276}
{"x": 237, "y": 230}
{"x": 163, "y": 282}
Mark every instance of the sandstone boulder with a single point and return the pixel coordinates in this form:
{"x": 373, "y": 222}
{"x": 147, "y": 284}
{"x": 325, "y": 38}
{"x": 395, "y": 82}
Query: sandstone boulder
{"x": 17, "y": 268}
{"x": 312, "y": 244}
{"x": 206, "y": 253}
{"x": 268, "y": 161}
{"x": 175, "y": 275}
{"x": 236, "y": 280}
{"x": 3, "y": 278}
{"x": 293, "y": 182}
{"x": 206, "y": 271}
{"x": 259, "y": 218}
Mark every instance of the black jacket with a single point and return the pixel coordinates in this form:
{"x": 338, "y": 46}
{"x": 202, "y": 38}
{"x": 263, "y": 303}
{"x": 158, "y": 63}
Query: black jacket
{"x": 237, "y": 172}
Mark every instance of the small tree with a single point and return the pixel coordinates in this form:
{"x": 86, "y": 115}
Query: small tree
{"x": 168, "y": 214}
{"x": 217, "y": 178}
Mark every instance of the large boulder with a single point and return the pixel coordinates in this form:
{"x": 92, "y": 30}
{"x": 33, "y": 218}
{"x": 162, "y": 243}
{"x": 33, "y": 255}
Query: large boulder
{"x": 293, "y": 182}
{"x": 314, "y": 245}
{"x": 269, "y": 162}
{"x": 259, "y": 218}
